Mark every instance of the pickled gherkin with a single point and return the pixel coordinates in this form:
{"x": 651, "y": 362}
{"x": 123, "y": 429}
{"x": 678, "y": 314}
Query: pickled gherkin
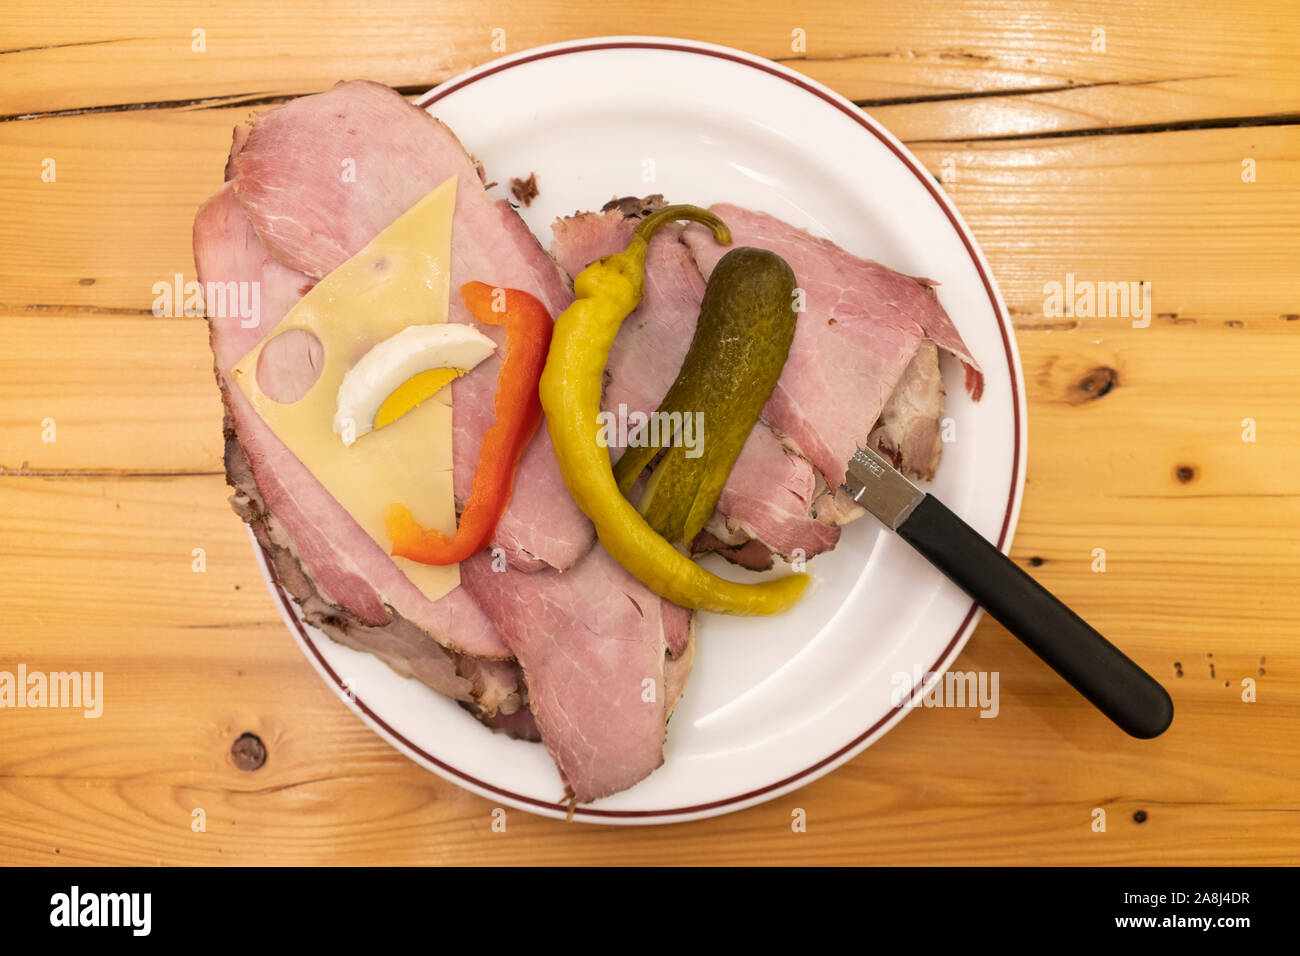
{"x": 742, "y": 339}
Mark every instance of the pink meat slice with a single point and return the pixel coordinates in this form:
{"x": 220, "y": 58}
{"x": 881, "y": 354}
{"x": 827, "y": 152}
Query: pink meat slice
{"x": 520, "y": 724}
{"x": 909, "y": 429}
{"x": 494, "y": 686}
{"x": 908, "y": 432}
{"x": 607, "y": 624}
{"x": 770, "y": 491}
{"x": 862, "y": 327}
{"x": 321, "y": 175}
{"x": 346, "y": 565}
{"x": 592, "y": 643}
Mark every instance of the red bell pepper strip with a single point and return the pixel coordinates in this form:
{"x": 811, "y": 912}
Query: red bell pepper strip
{"x": 518, "y": 413}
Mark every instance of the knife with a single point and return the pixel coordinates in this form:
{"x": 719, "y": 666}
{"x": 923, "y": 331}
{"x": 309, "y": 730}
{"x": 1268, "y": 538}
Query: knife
{"x": 1096, "y": 668}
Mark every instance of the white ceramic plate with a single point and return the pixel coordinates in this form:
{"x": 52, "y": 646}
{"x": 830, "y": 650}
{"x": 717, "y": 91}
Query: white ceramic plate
{"x": 772, "y": 703}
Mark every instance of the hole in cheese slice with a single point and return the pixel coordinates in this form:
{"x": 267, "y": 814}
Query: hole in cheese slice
{"x": 289, "y": 365}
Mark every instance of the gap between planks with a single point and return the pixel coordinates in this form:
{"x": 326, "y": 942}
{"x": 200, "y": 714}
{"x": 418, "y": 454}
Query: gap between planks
{"x": 232, "y": 100}
{"x": 95, "y": 474}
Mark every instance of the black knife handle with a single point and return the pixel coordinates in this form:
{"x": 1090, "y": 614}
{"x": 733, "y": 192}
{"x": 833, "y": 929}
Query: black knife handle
{"x": 1096, "y": 668}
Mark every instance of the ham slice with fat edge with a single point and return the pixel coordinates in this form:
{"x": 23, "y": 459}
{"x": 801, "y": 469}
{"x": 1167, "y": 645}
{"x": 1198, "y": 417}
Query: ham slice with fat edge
{"x": 862, "y": 326}
{"x": 774, "y": 500}
{"x": 288, "y": 173}
{"x": 345, "y": 582}
{"x": 770, "y": 491}
{"x": 591, "y": 642}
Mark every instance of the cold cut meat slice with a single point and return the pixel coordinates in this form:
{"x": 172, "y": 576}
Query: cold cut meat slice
{"x": 592, "y": 642}
{"x": 322, "y": 175}
{"x": 770, "y": 492}
{"x": 862, "y": 325}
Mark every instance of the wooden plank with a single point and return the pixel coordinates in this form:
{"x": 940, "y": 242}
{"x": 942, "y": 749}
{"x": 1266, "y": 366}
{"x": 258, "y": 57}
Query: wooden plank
{"x": 97, "y": 574}
{"x": 119, "y": 215}
{"x": 106, "y": 393}
{"x": 1170, "y": 208}
{"x": 1160, "y": 61}
{"x": 1235, "y": 565}
{"x": 128, "y": 392}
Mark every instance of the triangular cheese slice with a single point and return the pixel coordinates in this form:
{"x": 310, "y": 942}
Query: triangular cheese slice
{"x": 401, "y": 278}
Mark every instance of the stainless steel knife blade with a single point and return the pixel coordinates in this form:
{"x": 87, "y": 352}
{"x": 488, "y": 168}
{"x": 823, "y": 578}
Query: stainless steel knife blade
{"x": 881, "y": 488}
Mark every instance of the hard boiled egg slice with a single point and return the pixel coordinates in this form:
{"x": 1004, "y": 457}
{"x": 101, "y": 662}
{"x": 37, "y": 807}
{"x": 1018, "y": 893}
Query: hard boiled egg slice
{"x": 402, "y": 371}
{"x": 413, "y": 391}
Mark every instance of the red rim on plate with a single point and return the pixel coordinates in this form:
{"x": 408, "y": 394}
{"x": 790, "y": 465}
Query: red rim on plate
{"x": 927, "y": 181}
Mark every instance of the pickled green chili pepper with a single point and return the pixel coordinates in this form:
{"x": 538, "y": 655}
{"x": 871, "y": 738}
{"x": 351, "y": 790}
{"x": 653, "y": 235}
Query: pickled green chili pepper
{"x": 607, "y": 291}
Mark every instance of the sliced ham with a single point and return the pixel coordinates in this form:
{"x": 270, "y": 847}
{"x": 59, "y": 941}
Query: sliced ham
{"x": 770, "y": 492}
{"x": 863, "y": 325}
{"x": 909, "y": 428}
{"x": 592, "y": 642}
{"x": 733, "y": 545}
{"x": 265, "y": 225}
{"x": 346, "y": 566}
{"x": 677, "y": 668}
{"x": 494, "y": 686}
{"x": 775, "y": 500}
{"x": 909, "y": 431}
{"x": 321, "y": 175}
{"x": 521, "y": 724}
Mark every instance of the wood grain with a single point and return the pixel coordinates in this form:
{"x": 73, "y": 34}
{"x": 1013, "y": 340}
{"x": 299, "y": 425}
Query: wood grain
{"x": 1161, "y": 62}
{"x": 1132, "y": 195}
{"x": 1116, "y": 166}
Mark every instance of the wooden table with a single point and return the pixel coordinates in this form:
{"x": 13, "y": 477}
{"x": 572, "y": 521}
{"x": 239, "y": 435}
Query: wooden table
{"x": 1113, "y": 140}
